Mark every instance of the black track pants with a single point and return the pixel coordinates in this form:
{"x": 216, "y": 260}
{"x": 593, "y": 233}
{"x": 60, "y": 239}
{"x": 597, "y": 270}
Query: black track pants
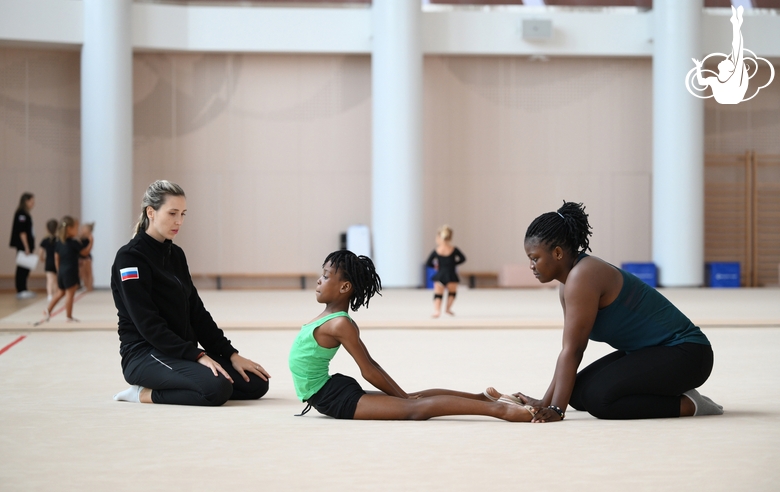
{"x": 183, "y": 382}
{"x": 644, "y": 384}
{"x": 21, "y": 278}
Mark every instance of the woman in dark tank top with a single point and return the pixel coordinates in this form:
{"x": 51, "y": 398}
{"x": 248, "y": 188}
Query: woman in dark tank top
{"x": 660, "y": 357}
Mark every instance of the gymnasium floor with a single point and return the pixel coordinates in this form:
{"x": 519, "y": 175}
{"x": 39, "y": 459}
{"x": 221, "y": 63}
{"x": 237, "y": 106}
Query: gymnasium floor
{"x": 61, "y": 430}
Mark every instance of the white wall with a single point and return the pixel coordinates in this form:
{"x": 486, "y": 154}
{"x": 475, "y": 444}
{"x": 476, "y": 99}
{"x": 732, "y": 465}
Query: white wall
{"x": 291, "y": 115}
{"x": 609, "y": 32}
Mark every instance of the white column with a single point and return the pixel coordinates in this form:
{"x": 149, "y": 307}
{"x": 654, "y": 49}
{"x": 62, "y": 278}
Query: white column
{"x": 107, "y": 129}
{"x": 396, "y": 191}
{"x": 678, "y": 146}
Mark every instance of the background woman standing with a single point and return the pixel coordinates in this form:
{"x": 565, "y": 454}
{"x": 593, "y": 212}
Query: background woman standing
{"x": 22, "y": 239}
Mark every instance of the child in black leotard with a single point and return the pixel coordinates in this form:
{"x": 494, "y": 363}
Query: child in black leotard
{"x": 66, "y": 254}
{"x": 348, "y": 282}
{"x": 47, "y": 256}
{"x": 445, "y": 257}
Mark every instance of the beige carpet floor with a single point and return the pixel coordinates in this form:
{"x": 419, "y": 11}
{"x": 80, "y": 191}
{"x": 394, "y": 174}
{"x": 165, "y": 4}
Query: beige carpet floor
{"x": 61, "y": 430}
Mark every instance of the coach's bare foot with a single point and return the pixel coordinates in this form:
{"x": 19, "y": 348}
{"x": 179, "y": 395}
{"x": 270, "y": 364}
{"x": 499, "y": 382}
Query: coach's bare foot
{"x": 450, "y": 313}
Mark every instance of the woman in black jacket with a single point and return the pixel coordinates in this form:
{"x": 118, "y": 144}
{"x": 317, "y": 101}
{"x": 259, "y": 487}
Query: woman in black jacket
{"x": 162, "y": 319}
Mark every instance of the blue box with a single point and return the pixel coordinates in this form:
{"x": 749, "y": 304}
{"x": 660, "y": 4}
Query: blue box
{"x": 723, "y": 274}
{"x": 647, "y": 272}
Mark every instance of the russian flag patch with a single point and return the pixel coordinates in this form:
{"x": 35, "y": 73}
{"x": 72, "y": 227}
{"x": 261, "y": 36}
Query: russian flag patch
{"x": 129, "y": 273}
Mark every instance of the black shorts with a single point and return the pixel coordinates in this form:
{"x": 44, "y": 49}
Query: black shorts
{"x": 445, "y": 277}
{"x": 67, "y": 278}
{"x": 338, "y": 398}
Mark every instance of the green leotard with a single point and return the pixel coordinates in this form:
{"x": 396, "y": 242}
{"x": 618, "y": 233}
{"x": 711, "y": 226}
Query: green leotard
{"x": 309, "y": 362}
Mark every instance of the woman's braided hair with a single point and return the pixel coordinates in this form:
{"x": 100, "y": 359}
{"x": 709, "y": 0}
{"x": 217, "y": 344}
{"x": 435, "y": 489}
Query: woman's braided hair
{"x": 360, "y": 272}
{"x": 567, "y": 227}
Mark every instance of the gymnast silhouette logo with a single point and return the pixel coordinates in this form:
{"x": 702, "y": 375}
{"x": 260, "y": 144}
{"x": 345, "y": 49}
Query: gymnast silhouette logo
{"x": 730, "y": 84}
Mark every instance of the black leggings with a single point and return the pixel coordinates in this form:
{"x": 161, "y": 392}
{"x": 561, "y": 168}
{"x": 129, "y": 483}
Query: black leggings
{"x": 184, "y": 382}
{"x": 21, "y": 278}
{"x": 644, "y": 384}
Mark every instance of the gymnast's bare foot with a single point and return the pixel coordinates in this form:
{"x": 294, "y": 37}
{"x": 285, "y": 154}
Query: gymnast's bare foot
{"x": 514, "y": 412}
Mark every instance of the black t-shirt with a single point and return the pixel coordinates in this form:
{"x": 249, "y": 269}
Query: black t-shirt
{"x": 22, "y": 223}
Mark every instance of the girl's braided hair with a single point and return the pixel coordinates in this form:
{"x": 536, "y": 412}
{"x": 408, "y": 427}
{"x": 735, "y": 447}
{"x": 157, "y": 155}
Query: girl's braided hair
{"x": 567, "y": 227}
{"x": 360, "y": 272}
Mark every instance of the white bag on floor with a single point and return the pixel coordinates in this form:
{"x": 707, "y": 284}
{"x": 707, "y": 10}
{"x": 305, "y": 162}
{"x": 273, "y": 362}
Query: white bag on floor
{"x": 26, "y": 261}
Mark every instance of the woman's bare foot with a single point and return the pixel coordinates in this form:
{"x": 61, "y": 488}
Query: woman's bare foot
{"x": 436, "y": 314}
{"x": 46, "y": 314}
{"x": 72, "y": 320}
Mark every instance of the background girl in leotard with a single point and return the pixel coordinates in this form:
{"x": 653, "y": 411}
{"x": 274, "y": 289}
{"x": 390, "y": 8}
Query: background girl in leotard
{"x": 48, "y": 245}
{"x": 349, "y": 281}
{"x": 67, "y": 253}
{"x": 445, "y": 257}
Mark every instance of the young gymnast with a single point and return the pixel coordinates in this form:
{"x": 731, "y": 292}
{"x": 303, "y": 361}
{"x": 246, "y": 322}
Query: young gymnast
{"x": 48, "y": 246}
{"x": 66, "y": 258}
{"x": 445, "y": 257}
{"x": 349, "y": 281}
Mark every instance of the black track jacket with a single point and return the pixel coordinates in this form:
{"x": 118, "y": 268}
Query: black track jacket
{"x": 157, "y": 304}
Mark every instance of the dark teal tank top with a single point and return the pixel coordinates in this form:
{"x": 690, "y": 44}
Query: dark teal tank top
{"x": 641, "y": 317}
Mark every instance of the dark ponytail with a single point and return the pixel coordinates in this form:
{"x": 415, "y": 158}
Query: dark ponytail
{"x": 567, "y": 227}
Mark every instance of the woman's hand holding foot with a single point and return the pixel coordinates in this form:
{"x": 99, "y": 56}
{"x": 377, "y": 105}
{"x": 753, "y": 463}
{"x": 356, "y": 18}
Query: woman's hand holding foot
{"x": 528, "y": 400}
